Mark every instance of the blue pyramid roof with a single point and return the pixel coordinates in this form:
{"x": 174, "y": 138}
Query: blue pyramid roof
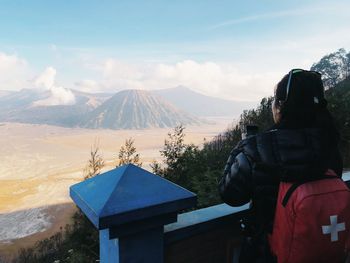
{"x": 128, "y": 193}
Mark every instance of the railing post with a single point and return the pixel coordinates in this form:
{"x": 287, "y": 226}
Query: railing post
{"x": 130, "y": 206}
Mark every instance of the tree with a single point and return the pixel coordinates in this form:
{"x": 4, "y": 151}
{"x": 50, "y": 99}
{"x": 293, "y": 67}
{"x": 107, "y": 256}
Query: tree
{"x": 261, "y": 116}
{"x": 157, "y": 168}
{"x": 339, "y": 105}
{"x": 95, "y": 163}
{"x": 127, "y": 154}
{"x": 185, "y": 165}
{"x": 205, "y": 186}
{"x": 173, "y": 148}
{"x": 173, "y": 157}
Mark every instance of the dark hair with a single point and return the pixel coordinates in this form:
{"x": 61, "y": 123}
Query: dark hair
{"x": 306, "y": 107}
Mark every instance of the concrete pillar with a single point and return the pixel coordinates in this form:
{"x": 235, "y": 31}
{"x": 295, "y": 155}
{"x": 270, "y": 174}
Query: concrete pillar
{"x": 130, "y": 206}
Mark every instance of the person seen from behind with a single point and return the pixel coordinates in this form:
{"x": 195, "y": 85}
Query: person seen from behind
{"x": 291, "y": 175}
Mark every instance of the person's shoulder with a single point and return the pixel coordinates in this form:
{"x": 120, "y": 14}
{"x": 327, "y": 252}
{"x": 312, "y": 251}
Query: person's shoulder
{"x": 294, "y": 136}
{"x": 289, "y": 145}
{"x": 262, "y": 146}
{"x": 259, "y": 144}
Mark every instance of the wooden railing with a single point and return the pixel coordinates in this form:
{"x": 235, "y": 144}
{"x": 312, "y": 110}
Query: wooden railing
{"x": 206, "y": 235}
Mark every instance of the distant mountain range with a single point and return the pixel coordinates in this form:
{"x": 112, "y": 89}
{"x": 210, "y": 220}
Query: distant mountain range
{"x": 128, "y": 109}
{"x": 20, "y": 107}
{"x": 202, "y": 105}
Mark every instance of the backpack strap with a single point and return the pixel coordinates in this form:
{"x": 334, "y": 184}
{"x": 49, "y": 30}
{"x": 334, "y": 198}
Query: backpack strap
{"x": 294, "y": 186}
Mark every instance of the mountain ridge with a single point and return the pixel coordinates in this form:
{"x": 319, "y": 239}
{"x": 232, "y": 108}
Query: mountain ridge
{"x": 20, "y": 107}
{"x": 203, "y": 105}
{"x": 156, "y": 108}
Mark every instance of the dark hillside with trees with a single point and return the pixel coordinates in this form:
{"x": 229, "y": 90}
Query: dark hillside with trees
{"x": 198, "y": 169}
{"x": 335, "y": 70}
{"x": 339, "y": 105}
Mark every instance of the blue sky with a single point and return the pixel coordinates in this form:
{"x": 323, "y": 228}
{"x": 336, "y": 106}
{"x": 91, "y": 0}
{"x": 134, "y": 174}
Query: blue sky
{"x": 232, "y": 49}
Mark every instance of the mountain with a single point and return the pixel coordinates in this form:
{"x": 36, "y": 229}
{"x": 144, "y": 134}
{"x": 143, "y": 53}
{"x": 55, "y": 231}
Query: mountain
{"x": 22, "y": 99}
{"x": 21, "y": 107}
{"x": 136, "y": 109}
{"x": 202, "y": 105}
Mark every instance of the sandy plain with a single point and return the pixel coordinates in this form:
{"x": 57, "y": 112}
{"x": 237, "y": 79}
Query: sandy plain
{"x": 38, "y": 163}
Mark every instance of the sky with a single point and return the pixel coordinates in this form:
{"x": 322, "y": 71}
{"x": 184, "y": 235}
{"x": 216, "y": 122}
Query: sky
{"x": 230, "y": 49}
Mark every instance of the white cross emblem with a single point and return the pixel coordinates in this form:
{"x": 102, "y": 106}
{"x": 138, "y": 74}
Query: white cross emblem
{"x": 333, "y": 228}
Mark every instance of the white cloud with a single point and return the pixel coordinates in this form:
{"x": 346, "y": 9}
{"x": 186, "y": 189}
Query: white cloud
{"x": 242, "y": 69}
{"x": 46, "y": 79}
{"x": 8, "y": 62}
{"x": 14, "y": 72}
{"x": 59, "y": 95}
{"x": 220, "y": 80}
{"x": 89, "y": 85}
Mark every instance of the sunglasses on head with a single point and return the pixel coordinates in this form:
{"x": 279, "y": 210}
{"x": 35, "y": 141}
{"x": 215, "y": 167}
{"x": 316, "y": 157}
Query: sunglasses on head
{"x": 294, "y": 71}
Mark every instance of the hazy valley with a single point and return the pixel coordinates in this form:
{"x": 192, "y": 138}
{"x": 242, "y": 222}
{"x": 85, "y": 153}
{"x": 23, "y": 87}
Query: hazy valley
{"x": 38, "y": 163}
